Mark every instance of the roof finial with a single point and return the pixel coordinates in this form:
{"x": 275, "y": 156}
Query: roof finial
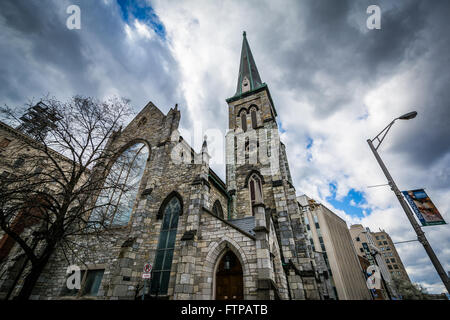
{"x": 244, "y": 34}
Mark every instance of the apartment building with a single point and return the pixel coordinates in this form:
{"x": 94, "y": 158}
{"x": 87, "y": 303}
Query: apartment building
{"x": 365, "y": 247}
{"x": 390, "y": 255}
{"x": 329, "y": 236}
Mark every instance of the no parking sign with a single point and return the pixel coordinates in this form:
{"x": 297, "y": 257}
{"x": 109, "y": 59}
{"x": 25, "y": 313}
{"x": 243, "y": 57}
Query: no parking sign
{"x": 147, "y": 271}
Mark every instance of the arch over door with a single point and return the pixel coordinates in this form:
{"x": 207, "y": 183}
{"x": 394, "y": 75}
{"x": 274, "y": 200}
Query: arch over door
{"x": 229, "y": 278}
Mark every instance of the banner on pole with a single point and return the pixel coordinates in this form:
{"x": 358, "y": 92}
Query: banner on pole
{"x": 423, "y": 207}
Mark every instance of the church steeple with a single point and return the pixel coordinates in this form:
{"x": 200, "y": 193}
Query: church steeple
{"x": 249, "y": 78}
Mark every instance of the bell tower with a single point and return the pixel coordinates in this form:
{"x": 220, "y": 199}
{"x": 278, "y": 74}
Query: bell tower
{"x": 259, "y": 180}
{"x": 253, "y": 147}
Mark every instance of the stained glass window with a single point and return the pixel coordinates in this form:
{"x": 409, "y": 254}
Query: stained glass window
{"x": 116, "y": 200}
{"x": 166, "y": 245}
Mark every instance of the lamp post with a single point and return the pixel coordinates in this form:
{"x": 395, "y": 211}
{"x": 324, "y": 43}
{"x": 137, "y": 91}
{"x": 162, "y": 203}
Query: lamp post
{"x": 420, "y": 234}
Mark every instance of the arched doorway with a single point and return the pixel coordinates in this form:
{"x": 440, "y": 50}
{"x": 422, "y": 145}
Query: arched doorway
{"x": 229, "y": 278}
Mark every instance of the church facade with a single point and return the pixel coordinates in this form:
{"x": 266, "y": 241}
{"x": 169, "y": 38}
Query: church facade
{"x": 205, "y": 238}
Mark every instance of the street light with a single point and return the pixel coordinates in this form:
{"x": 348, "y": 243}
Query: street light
{"x": 420, "y": 234}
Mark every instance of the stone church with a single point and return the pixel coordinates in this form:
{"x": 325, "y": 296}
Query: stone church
{"x": 204, "y": 238}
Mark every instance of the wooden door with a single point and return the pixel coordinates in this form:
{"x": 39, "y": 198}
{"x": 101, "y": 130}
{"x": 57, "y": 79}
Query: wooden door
{"x": 229, "y": 278}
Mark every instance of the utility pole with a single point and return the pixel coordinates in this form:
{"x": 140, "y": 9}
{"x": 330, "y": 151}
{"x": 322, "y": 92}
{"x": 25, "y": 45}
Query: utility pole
{"x": 420, "y": 234}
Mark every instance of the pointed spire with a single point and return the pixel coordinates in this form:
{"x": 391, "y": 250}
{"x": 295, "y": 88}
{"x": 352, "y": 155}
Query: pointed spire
{"x": 249, "y": 78}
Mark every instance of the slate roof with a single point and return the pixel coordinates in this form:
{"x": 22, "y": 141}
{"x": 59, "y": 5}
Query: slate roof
{"x": 245, "y": 224}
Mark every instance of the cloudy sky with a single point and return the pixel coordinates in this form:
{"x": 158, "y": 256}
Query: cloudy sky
{"x": 334, "y": 82}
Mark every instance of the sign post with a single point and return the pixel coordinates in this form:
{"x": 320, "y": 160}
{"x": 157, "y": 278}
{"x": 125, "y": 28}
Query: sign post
{"x": 146, "y": 274}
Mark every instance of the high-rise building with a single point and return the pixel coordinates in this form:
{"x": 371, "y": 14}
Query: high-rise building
{"x": 329, "y": 236}
{"x": 390, "y": 255}
{"x": 365, "y": 247}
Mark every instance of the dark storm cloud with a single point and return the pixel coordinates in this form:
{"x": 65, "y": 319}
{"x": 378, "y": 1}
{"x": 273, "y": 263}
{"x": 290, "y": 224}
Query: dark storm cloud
{"x": 426, "y": 140}
{"x": 337, "y": 43}
{"x": 46, "y": 41}
{"x": 41, "y": 55}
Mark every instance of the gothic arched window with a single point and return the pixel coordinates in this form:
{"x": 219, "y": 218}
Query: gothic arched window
{"x": 116, "y": 200}
{"x": 217, "y": 209}
{"x": 254, "y": 120}
{"x": 255, "y": 187}
{"x": 244, "y": 121}
{"x": 166, "y": 244}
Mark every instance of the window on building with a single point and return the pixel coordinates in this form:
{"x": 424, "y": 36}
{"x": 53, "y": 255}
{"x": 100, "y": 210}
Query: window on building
{"x": 385, "y": 242}
{"x": 387, "y": 260}
{"x": 395, "y": 266}
{"x": 115, "y": 202}
{"x": 358, "y": 239}
{"x": 316, "y": 222}
{"x": 383, "y": 237}
{"x": 388, "y": 248}
{"x": 361, "y": 249}
{"x": 269, "y": 150}
{"x": 319, "y": 232}
{"x": 217, "y": 209}
{"x": 166, "y": 245}
{"x": 382, "y": 248}
{"x": 255, "y": 187}
{"x": 390, "y": 267}
{"x": 244, "y": 121}
{"x": 377, "y": 237}
{"x": 254, "y": 121}
{"x": 392, "y": 260}
{"x": 90, "y": 283}
{"x": 380, "y": 243}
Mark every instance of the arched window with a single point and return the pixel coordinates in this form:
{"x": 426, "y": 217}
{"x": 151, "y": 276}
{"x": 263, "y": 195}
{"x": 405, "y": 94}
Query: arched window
{"x": 244, "y": 121}
{"x": 254, "y": 121}
{"x": 217, "y": 209}
{"x": 255, "y": 187}
{"x": 166, "y": 245}
{"x": 116, "y": 200}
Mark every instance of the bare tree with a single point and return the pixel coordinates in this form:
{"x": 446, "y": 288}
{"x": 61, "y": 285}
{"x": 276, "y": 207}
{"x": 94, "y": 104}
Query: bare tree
{"x": 61, "y": 186}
